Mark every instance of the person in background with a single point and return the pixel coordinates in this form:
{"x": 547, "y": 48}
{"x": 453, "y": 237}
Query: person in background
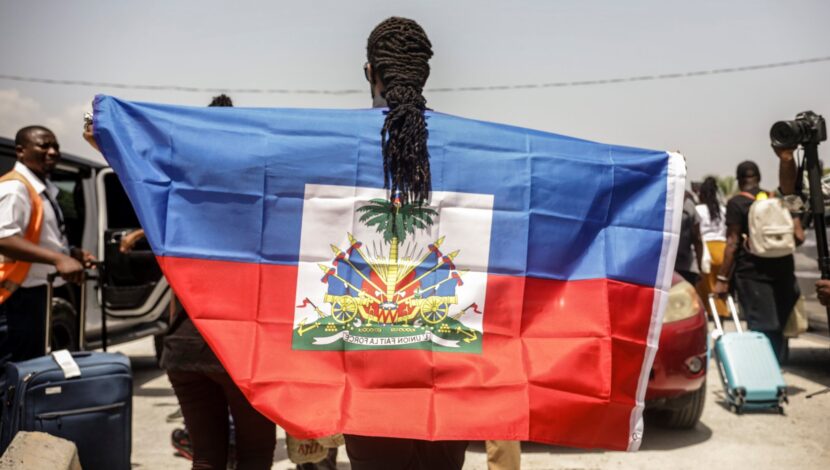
{"x": 690, "y": 245}
{"x": 766, "y": 287}
{"x": 33, "y": 243}
{"x": 205, "y": 390}
{"x": 504, "y": 455}
{"x": 787, "y": 176}
{"x": 712, "y": 214}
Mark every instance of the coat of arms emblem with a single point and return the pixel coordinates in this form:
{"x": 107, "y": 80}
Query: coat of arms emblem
{"x": 395, "y": 289}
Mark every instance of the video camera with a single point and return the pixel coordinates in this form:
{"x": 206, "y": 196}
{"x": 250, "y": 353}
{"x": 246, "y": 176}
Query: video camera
{"x": 807, "y": 128}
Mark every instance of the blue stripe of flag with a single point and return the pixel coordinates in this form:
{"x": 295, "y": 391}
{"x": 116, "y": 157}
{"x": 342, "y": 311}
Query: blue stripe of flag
{"x": 228, "y": 183}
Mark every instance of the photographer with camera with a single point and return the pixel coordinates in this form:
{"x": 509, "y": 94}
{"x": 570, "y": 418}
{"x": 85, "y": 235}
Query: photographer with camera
{"x": 810, "y": 129}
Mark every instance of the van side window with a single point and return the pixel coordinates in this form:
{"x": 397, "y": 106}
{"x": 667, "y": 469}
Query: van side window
{"x": 120, "y": 213}
{"x": 71, "y": 201}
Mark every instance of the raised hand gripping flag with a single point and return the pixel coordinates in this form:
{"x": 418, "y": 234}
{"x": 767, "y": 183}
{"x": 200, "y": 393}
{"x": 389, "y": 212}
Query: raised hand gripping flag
{"x": 524, "y": 302}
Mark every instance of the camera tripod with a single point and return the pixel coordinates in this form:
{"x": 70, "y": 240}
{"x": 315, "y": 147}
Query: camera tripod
{"x": 811, "y": 164}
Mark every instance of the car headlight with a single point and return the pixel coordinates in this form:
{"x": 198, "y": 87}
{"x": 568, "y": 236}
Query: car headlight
{"x": 683, "y": 303}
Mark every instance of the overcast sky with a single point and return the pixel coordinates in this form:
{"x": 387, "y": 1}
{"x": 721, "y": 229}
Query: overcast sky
{"x": 715, "y": 120}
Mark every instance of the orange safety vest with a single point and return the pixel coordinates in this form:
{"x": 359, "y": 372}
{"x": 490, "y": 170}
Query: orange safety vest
{"x": 12, "y": 273}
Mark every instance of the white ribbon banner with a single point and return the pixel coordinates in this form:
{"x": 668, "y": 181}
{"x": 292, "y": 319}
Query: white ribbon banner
{"x": 386, "y": 340}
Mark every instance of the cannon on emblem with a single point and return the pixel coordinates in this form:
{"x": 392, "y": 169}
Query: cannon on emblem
{"x": 434, "y": 309}
{"x": 343, "y": 307}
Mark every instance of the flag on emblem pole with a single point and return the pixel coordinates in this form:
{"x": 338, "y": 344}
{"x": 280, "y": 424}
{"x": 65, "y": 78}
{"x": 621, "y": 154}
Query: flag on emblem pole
{"x": 523, "y": 302}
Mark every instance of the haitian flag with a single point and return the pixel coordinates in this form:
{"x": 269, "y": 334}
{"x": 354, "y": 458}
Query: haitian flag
{"x": 523, "y": 302}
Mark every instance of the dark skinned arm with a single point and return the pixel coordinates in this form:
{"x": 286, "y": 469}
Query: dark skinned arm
{"x": 89, "y": 136}
{"x": 798, "y": 231}
{"x": 787, "y": 171}
{"x": 129, "y": 240}
{"x": 787, "y": 175}
{"x": 18, "y": 248}
{"x": 823, "y": 291}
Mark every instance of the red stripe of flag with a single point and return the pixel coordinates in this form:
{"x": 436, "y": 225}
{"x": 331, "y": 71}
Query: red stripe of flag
{"x": 545, "y": 373}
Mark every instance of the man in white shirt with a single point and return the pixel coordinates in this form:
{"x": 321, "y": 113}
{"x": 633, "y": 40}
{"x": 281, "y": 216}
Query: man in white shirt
{"x": 33, "y": 243}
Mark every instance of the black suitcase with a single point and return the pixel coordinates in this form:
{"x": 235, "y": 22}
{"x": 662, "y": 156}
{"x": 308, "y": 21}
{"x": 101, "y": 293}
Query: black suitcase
{"x": 85, "y": 397}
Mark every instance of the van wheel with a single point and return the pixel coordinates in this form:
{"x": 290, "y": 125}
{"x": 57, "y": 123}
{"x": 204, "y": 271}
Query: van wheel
{"x": 687, "y": 416}
{"x": 64, "y": 326}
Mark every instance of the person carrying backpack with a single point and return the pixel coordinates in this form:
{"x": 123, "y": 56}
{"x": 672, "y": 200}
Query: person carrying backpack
{"x": 761, "y": 237}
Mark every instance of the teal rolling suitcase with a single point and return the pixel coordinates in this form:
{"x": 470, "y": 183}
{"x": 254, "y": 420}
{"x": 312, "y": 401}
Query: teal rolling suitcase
{"x": 747, "y": 365}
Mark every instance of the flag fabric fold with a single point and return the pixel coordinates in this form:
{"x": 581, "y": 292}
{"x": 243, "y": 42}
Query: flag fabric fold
{"x": 523, "y": 302}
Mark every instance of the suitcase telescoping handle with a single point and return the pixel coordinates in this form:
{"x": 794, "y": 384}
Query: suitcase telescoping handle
{"x": 47, "y": 335}
{"x": 50, "y": 294}
{"x": 99, "y": 275}
{"x": 733, "y": 310}
{"x": 713, "y": 310}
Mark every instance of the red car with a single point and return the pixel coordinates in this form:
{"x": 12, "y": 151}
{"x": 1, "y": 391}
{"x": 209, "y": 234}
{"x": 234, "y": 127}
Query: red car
{"x": 677, "y": 383}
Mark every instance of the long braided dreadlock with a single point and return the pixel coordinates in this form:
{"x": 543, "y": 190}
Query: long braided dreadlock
{"x": 221, "y": 101}
{"x": 709, "y": 196}
{"x": 399, "y": 51}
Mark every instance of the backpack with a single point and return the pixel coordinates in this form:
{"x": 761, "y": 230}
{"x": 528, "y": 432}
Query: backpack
{"x": 770, "y": 227}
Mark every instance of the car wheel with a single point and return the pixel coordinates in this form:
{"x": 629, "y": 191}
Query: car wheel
{"x": 64, "y": 334}
{"x": 686, "y": 416}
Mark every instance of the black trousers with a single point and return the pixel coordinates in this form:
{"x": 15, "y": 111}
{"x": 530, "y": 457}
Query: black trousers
{"x": 767, "y": 306}
{"x": 25, "y": 314}
{"x": 205, "y": 398}
{"x": 386, "y": 453}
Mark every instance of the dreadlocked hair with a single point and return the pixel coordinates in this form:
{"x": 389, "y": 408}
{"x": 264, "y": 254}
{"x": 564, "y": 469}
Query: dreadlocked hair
{"x": 399, "y": 51}
{"x": 222, "y": 101}
{"x": 709, "y": 195}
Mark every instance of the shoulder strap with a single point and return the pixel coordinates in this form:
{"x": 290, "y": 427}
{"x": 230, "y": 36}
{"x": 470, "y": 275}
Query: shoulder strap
{"x": 14, "y": 175}
{"x": 13, "y": 273}
{"x": 747, "y": 194}
{"x": 36, "y": 218}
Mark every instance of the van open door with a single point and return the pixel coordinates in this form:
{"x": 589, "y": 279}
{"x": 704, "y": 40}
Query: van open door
{"x": 136, "y": 292}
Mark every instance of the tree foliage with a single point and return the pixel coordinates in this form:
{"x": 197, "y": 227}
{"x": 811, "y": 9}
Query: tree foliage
{"x": 396, "y": 220}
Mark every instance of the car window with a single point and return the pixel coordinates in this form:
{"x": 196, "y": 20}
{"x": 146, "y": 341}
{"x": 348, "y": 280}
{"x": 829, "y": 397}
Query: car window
{"x": 7, "y": 163}
{"x": 71, "y": 201}
{"x": 120, "y": 213}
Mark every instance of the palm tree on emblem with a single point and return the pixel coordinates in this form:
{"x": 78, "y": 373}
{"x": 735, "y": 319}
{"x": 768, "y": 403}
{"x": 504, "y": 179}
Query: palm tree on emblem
{"x": 395, "y": 220}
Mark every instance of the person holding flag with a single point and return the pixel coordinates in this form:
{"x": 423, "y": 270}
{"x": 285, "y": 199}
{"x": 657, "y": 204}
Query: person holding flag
{"x": 356, "y": 273}
{"x": 397, "y": 68}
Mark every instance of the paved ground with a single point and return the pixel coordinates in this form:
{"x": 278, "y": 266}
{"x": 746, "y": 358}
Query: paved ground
{"x": 722, "y": 440}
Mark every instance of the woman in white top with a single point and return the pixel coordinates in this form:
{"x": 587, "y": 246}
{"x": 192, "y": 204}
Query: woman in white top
{"x": 712, "y": 214}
